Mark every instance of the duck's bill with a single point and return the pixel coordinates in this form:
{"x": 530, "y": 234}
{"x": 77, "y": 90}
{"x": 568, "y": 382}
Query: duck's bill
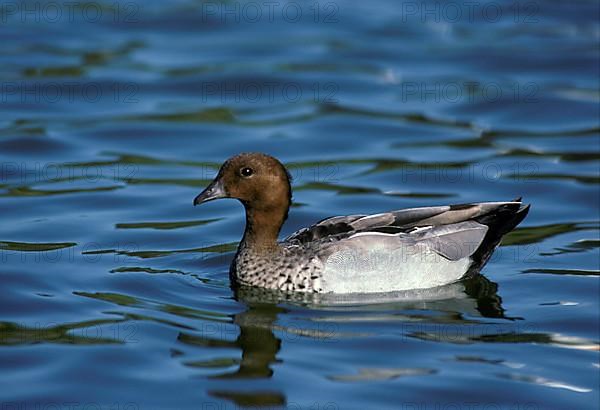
{"x": 213, "y": 191}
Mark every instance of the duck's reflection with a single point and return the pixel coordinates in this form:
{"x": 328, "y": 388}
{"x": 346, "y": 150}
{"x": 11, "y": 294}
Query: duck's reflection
{"x": 265, "y": 310}
{"x": 257, "y": 341}
{"x": 259, "y": 346}
{"x": 269, "y": 317}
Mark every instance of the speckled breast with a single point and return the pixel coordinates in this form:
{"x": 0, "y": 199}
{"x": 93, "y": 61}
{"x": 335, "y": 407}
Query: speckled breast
{"x": 288, "y": 269}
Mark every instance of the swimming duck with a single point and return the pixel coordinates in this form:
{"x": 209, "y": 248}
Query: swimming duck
{"x": 406, "y": 249}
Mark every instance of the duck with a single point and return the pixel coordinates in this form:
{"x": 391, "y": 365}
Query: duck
{"x": 414, "y": 248}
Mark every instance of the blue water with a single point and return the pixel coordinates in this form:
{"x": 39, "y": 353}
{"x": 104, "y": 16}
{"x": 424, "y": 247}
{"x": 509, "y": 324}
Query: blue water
{"x": 114, "y": 115}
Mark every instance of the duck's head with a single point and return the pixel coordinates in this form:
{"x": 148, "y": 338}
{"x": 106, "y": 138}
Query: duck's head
{"x": 257, "y": 180}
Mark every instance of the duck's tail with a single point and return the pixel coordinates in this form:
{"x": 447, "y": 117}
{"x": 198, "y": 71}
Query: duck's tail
{"x": 500, "y": 221}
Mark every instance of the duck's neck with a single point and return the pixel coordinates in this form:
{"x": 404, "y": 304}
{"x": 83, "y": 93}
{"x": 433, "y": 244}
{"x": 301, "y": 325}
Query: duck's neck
{"x": 262, "y": 228}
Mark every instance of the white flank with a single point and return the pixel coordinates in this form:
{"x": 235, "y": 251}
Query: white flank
{"x": 385, "y": 270}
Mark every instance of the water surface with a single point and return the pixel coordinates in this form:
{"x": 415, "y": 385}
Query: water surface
{"x": 115, "y": 292}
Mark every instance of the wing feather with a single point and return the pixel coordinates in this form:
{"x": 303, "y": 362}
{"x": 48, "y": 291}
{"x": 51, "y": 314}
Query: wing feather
{"x": 394, "y": 222}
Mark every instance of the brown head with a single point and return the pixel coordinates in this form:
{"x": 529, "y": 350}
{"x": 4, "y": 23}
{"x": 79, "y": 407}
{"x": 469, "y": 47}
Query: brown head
{"x": 262, "y": 184}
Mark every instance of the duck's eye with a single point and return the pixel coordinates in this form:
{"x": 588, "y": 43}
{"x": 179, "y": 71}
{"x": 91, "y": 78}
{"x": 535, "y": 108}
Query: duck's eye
{"x": 246, "y": 172}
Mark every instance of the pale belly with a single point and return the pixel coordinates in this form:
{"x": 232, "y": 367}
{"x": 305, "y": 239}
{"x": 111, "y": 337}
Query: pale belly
{"x": 385, "y": 271}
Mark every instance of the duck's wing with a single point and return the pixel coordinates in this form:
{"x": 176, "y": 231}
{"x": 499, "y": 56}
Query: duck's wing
{"x": 389, "y": 222}
{"x": 504, "y": 216}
